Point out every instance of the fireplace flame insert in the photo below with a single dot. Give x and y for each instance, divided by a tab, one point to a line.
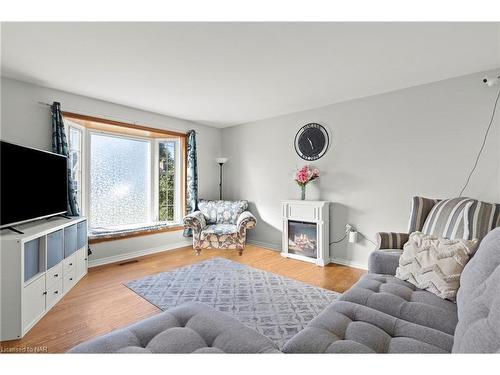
302	238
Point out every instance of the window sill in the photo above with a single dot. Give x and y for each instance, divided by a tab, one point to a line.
136	232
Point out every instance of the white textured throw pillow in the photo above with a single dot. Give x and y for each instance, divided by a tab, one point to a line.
435	264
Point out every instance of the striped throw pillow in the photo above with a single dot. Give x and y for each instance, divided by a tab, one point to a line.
420	208
481	218
391	240
447	219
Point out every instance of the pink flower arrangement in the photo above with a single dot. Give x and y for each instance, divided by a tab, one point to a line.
305	175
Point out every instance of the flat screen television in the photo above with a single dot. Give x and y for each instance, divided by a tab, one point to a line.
33	184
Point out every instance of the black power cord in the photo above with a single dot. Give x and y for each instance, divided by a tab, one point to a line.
482	145
342	239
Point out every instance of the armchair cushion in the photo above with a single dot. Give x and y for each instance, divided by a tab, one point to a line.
219	229
222	212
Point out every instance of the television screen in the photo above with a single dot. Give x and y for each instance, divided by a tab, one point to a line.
33	184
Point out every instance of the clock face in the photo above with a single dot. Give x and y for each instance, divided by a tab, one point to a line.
311	141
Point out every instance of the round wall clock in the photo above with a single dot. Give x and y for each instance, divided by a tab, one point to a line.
311	141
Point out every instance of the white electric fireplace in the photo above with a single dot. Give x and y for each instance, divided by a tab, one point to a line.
306	231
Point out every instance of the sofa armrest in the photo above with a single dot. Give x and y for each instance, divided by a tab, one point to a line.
196	221
391	240
245	221
384	262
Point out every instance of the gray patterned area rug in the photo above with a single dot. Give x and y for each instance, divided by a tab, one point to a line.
275	306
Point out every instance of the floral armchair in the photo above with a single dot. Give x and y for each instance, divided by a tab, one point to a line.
220	225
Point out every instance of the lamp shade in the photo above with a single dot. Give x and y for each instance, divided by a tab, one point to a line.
221	160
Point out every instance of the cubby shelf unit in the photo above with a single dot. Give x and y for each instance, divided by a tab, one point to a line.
38	267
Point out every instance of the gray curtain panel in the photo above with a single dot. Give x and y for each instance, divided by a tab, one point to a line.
60	146
192	177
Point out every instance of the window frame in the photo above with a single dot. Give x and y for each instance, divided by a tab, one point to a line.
179	161
88	124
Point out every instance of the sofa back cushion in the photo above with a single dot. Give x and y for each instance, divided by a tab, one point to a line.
478	300
222	212
420	208
446	218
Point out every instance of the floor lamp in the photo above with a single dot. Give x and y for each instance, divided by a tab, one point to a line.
221	162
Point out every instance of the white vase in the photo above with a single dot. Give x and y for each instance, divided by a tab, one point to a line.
313	191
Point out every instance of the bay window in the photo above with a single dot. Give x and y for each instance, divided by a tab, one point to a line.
134	177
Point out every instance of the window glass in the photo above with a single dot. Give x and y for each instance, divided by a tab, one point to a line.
166	183
120	181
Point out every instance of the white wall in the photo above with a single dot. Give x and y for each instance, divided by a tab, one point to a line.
384	150
26	122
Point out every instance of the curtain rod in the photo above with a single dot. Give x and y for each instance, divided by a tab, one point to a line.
115	118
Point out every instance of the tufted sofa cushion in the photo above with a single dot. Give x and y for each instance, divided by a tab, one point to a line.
403	300
478	330
346	327
478	300
190	328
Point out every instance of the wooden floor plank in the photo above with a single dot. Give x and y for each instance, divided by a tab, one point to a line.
100	302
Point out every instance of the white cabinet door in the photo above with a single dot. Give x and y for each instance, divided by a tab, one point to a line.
69	264
33	302
69	281
54	275
54	293
81	263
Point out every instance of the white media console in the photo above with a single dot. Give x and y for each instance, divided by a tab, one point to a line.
38	267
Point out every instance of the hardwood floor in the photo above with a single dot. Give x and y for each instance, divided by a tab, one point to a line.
100	302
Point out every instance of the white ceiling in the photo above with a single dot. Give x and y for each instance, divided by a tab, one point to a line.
223	74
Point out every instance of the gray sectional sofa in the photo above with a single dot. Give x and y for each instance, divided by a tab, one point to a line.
190	328
379	314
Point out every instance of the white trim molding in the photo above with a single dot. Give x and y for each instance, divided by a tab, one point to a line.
265	245
137	254
349	263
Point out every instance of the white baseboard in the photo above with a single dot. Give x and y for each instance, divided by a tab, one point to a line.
343	262
177	245
265	245
136	254
349	263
